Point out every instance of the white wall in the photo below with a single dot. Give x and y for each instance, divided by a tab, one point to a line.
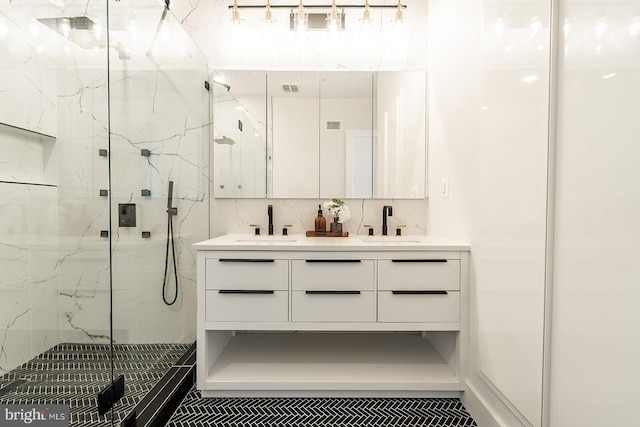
496	164
595	319
295	145
487	133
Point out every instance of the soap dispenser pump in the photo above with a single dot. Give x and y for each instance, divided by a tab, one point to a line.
321	223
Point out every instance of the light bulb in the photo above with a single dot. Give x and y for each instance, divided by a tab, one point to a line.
366	15
301	18
333	17
235	14
268	15
399	14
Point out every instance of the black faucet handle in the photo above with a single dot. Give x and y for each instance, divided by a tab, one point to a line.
257	228
370	227
399	228
285	229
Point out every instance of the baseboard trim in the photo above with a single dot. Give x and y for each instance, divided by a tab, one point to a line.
480	409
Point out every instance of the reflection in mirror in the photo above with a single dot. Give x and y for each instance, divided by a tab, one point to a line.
239	134
401	118
347	138
293	112
328	134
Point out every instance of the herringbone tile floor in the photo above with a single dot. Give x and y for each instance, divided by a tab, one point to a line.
315	412
73	374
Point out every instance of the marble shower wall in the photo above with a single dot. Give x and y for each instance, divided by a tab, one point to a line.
163	112
29	311
28	276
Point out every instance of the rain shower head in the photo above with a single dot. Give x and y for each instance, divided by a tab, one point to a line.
224	140
84	32
81	30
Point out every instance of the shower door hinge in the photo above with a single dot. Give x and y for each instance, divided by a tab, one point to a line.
110	395
206	85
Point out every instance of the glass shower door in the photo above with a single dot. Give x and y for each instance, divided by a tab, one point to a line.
55	286
159	175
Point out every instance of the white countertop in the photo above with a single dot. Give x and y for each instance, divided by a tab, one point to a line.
299	242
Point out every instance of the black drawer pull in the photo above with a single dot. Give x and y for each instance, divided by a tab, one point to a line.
333	260
418	260
332	292
419	292
244	260
243	291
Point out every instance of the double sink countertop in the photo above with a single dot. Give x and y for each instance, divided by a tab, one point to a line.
300	242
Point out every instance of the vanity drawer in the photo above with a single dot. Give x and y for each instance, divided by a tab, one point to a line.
246	273
417	306
419	274
332	274
326	306
246	306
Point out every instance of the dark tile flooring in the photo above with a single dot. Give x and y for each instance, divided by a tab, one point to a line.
306	412
73	374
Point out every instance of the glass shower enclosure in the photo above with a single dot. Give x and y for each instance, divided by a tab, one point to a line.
103	109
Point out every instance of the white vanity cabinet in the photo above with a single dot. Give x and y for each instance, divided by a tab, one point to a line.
331	317
246	289
421	289
332	290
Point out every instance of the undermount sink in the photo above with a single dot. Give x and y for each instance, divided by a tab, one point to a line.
266	239
389	239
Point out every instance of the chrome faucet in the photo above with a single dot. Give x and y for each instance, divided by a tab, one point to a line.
270	213
386	210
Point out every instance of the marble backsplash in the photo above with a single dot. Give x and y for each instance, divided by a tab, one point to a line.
237	215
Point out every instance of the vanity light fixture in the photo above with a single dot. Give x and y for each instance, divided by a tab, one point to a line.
318	16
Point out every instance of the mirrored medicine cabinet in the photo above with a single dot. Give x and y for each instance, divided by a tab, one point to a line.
319	134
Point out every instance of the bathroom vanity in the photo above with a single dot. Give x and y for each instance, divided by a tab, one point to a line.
308	316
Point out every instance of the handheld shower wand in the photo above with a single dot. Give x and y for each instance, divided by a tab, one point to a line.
171	211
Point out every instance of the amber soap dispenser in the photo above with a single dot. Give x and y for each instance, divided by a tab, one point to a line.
321	223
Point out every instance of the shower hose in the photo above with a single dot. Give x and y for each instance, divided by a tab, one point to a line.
170	241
